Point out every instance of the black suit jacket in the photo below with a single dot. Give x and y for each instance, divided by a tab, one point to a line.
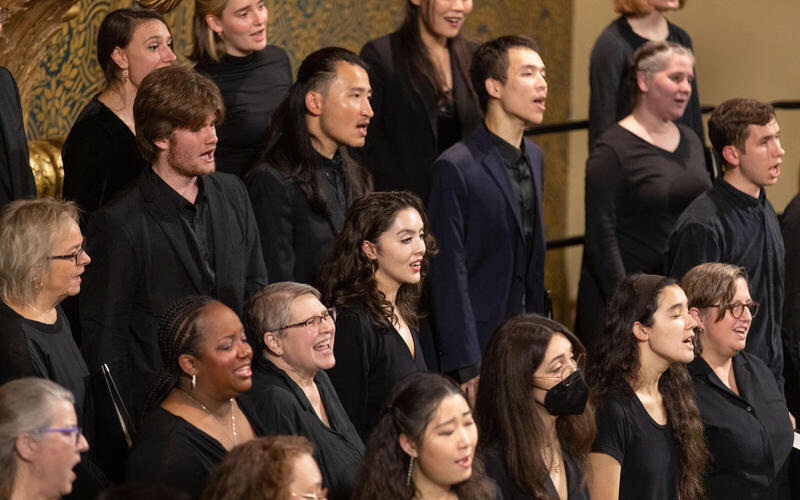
142	261
16	177
401	143
482	274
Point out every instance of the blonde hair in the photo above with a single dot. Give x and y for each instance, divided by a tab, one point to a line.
28	231
637	7
206	45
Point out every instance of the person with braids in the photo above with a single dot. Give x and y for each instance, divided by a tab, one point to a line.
194	417
304	182
423	97
423	446
641	174
272	467
229	44
747	423
374	279
535	425
650	441
292	394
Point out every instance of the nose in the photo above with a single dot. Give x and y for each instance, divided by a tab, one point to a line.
465	437
460	5
85	259
779	151
168	56
211	138
262	16
366	109
690	323
83	444
245	351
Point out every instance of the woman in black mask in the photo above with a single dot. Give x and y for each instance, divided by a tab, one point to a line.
535	424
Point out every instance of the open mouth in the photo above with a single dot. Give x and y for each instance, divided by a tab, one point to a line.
416	265
259	35
244	371
208	156
540	102
454	21
465	462
362	128
689	341
323	347
775	170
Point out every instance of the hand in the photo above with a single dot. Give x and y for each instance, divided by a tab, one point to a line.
470	388
791	417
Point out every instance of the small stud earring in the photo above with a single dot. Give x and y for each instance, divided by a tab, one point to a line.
194	380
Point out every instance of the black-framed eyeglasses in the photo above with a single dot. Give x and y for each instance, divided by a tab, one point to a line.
74	432
571	366
737	308
313	323
76	256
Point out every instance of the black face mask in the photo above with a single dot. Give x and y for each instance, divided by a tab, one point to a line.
568	397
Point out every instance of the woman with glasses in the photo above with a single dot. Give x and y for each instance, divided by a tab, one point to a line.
649	440
747	423
40	440
41	262
194	411
535	425
294	334
272	467
374	278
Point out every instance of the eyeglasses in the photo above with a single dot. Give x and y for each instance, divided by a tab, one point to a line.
72	256
737	309
313	323
72	431
574	364
321	495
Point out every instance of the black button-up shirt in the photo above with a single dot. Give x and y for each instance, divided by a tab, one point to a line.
726	225
333	171
749	435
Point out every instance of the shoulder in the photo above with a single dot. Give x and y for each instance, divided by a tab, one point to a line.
264	173
611	40
533	149
702	211
378	51
679	35
469	150
275	53
228	185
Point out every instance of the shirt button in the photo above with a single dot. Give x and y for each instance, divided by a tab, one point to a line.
750	408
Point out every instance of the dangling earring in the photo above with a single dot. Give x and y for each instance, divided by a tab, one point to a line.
125	75
220	34
194	380
410	468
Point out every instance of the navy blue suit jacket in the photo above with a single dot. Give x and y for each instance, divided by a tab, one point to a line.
482	275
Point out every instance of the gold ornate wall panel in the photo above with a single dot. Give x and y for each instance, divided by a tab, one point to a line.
67	76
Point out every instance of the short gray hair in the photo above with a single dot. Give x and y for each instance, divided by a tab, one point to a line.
271	309
653	57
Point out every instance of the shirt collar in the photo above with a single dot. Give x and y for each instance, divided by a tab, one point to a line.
508	152
740	196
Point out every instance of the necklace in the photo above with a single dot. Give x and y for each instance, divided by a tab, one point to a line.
205	409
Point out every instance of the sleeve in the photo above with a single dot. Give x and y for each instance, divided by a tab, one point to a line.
691	243
256	277
350	374
107	298
603	179
272	208
15	356
86	165
612	430
453	317
606	67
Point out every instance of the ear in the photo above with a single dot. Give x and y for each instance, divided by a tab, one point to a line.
162	143
640	332
731	155
642	81
188	364
120	57
272	343
494	88
407	445
369	249
213	22
26	446
314	102
694	312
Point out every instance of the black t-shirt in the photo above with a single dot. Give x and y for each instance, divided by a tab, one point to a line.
647	451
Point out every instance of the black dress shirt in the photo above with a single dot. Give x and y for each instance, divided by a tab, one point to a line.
333	172
283	408
726	225
749	435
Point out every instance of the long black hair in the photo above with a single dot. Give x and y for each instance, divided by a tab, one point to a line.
289	148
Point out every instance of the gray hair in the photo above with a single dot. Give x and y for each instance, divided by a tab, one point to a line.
653	57
271	308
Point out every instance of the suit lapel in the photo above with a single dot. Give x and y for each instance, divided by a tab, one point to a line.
493	162
218	209
536	174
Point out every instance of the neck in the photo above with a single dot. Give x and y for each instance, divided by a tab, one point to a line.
653	124
427	489
183	185
651	367
389	288
26	485
732	176
549	424
721	365
648	25
503	126
42	309
433	43
303	379
213	405
319	142
119	98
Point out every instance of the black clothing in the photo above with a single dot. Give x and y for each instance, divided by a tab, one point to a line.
294	237
519	173
370	359
495	462
282	407
100	158
647	451
143	259
611	98
790	324
635	192
749	436
402	139
727	225
252	87
171	452
16	176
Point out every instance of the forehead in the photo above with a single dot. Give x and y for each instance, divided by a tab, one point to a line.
558	345
63	413
523	56
234	5
669	296
678	62
350	76
218	320
742	290
304	306
755	133
452	406
406	218
149	28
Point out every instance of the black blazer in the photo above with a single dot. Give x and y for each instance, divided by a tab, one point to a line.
16	177
401	141
142	261
482	275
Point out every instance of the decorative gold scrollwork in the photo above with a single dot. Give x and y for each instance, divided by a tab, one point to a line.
162	6
48	169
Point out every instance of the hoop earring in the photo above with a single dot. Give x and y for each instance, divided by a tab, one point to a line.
410	469
194	380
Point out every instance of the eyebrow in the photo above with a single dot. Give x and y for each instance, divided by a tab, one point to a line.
532	66
677	306
361	89
448	422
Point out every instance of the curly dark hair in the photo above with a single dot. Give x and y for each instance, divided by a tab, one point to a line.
348	277
258	469
614	365
506	410
409	410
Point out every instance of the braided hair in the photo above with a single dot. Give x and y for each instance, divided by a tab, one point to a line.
177	334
